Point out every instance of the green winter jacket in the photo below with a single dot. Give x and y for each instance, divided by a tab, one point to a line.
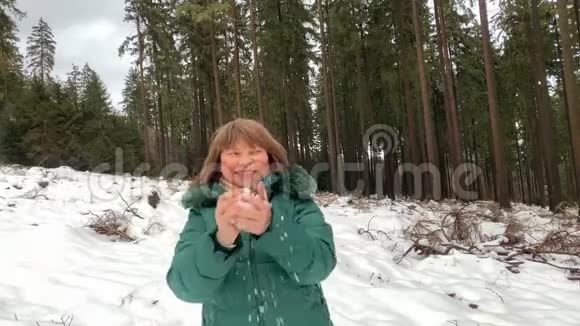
270	280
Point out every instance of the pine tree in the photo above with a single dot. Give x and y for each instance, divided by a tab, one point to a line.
328	109
256	61
40	51
430	140
496	129
130	95
95	98
10	58
73	86
571	84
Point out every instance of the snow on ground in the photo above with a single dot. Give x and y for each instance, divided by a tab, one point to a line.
55	270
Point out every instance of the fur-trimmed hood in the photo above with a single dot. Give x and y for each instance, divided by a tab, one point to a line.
294	182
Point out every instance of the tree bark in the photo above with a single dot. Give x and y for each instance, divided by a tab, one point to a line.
364	107
330	118
430	138
195	117
253	28
496	128
453	123
570	181
142	97
162	142
216	77
571	92
577	15
546	119
237	60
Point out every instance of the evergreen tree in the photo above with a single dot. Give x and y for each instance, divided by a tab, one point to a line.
10	58
130	95
40	51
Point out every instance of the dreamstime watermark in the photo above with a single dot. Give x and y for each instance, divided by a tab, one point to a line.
424	180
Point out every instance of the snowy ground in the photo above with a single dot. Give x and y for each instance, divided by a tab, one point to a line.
55	270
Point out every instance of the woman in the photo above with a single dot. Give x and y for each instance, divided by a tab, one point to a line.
255	247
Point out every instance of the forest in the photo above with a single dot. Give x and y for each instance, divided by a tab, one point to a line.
486	87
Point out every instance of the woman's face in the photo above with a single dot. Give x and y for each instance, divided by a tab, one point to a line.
244	164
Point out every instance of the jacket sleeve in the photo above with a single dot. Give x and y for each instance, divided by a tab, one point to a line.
302	244
199	264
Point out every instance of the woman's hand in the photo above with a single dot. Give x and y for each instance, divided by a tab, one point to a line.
253	212
225	218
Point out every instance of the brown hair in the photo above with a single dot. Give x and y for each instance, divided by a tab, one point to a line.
248	130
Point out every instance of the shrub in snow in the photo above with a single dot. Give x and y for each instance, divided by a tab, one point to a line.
462	227
459	227
154	227
111	224
514	233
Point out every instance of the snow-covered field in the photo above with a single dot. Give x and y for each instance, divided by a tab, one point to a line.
55	270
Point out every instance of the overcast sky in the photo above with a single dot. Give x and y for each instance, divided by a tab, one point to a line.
86	31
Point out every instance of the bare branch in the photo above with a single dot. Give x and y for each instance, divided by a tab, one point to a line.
129	208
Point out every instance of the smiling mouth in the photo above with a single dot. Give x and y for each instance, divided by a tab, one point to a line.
245	173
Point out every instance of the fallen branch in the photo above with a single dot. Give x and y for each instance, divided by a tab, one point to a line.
362	231
369	231
6	172
406	253
407	206
494	292
129	208
154	226
544	261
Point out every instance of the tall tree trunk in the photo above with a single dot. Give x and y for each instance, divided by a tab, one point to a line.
253	28
411	117
210	109
494	119
237	59
546	119
403	31
577	15
430	138
216	76
162	141
171	134
536	147
288	110
335	114
571	188
142	97
364	107
519	164
289	119
571	95
481	191
528	172
536	153
300	139
203	108
195	117
158	74
330	117
453	122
